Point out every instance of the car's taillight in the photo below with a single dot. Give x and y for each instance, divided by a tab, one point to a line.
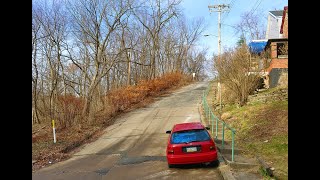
212	148
170	151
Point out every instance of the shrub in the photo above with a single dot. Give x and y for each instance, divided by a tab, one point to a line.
124	98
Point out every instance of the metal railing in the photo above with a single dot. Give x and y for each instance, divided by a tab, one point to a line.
215	121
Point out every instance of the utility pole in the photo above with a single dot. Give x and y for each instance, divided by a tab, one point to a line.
220	8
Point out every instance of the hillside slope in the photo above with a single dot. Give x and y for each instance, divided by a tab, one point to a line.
262	128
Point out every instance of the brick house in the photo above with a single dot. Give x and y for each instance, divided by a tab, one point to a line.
278	68
277	63
273	68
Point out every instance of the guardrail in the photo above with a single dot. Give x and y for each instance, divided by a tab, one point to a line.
214	120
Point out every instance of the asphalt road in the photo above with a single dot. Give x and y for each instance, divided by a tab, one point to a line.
134	146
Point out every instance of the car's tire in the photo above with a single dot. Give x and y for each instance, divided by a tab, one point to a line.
170	166
215	163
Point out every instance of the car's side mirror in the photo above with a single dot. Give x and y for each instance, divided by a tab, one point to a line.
168	132
208	128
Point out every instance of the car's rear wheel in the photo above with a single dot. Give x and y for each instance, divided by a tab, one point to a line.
215	163
170	165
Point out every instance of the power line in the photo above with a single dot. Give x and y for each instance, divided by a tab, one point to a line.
220	8
235	27
252	10
226	15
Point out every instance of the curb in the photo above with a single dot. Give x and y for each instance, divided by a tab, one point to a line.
223	167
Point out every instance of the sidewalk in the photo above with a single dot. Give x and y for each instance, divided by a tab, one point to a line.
242	168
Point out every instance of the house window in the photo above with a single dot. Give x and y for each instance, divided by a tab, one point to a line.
282	50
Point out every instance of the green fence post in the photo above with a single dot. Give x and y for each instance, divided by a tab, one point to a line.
217	128
202	99
207	109
223	135
212	123
232	155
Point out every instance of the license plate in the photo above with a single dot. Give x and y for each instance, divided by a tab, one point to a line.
191	149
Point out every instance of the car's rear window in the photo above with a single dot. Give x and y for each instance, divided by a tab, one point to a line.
189	136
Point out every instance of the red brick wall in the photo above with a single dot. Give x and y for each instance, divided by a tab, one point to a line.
273	50
285	27
278	63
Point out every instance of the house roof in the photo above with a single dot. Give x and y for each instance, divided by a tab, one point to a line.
277	13
257	46
275	40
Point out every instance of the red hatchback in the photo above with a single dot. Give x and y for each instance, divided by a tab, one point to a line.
190	143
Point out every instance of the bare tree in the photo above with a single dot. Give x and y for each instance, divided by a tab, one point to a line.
197	63
95	23
154	15
250	27
234	71
179	41
192	33
49	32
35	74
82	49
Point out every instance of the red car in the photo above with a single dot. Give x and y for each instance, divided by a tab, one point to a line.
190	143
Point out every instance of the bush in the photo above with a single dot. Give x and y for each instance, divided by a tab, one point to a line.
69	110
124	98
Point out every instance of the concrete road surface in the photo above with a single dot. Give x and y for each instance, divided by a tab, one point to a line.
134	147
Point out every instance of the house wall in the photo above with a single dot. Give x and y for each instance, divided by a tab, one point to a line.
278	77
285	26
278	63
275	61
277	70
274	53
273	27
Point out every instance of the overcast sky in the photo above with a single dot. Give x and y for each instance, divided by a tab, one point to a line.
199	8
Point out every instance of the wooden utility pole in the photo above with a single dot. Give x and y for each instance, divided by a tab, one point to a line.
220	8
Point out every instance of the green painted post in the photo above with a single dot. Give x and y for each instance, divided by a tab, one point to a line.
232	155
223	135
203	99
208	110
205	107
217	128
212	123
205	102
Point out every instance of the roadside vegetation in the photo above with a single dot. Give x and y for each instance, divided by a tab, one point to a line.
261	129
94	59
79	131
259	118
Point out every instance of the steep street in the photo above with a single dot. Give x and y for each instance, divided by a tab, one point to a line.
134	146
